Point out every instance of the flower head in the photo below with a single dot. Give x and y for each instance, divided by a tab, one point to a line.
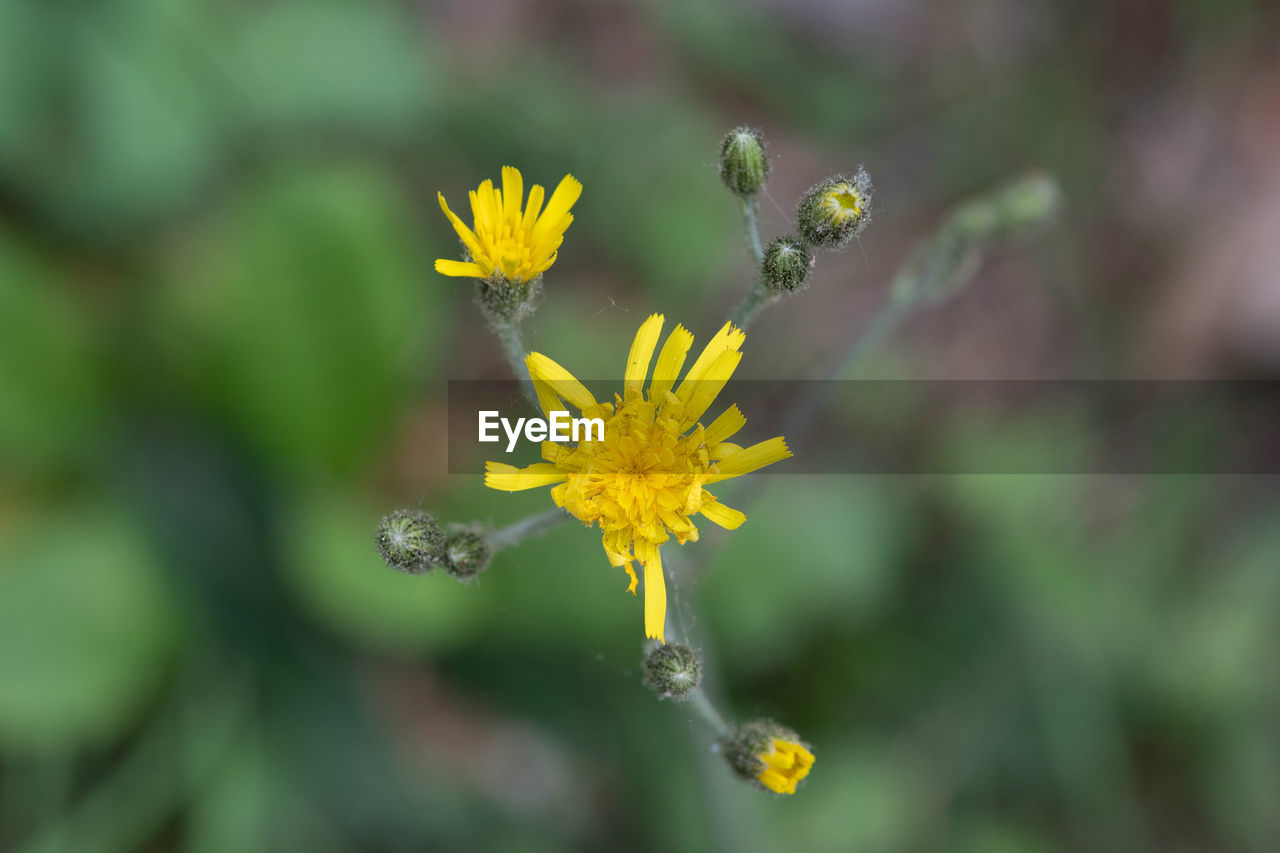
744	165
769	754
410	541
645	480
519	244
834	211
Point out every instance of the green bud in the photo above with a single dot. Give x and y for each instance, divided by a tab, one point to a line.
769	755
410	541
504	302
835	211
744	165
467	552
672	670
786	265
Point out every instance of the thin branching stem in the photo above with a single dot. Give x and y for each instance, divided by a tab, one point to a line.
696	700
527	528
750	228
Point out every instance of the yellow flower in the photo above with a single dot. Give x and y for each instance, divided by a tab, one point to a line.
517	243
645	479
785	764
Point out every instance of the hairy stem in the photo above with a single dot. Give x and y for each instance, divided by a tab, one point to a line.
759	296
697	701
508	332
526	528
749	227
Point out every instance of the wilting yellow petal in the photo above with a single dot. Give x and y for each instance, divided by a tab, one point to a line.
655	590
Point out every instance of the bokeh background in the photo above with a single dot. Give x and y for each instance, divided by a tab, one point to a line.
223	356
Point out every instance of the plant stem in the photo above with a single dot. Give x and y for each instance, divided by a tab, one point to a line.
508	332
749	227
698	702
526	528
759	296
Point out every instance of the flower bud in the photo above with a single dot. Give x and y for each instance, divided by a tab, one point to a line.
768	755
672	670
786	265
410	541
744	166
834	211
467	552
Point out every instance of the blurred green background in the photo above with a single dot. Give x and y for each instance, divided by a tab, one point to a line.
223	356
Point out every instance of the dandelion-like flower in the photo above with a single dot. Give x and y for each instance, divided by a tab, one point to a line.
516	242
646	478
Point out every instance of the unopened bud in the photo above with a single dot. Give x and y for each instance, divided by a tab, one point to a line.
744	165
672	670
836	210
467	552
786	265
410	541
768	755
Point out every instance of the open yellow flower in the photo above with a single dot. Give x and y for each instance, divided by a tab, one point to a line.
518	243
644	480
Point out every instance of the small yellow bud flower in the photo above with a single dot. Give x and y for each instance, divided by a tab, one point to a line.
518	244
769	755
836	210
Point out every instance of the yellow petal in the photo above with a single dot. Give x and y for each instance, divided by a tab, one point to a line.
725	516
641	354
728	339
730	421
531	209
561	200
468	238
670	360
655	590
751	459
458	268
486	216
701	393
561	381
512	194
509	478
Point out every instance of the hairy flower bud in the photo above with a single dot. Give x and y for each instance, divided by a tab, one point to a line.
467	552
769	755
786	265
836	210
744	165
410	541
672	670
